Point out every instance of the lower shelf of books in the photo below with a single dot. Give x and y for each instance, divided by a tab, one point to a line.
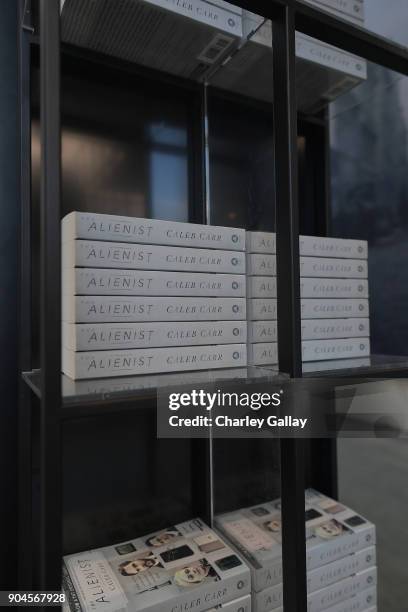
235	566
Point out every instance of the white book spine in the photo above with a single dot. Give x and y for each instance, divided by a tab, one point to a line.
317	246
259	264
365	601
212	14
261	286
326	575
108	336
262	310
243	604
94	226
330	267
318	350
320	600
333	288
264	353
98	254
323	329
315	51
334	309
261	242
310	246
100	364
262	331
107	309
98	281
353	9
332	550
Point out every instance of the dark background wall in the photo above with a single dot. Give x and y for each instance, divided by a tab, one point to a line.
9	222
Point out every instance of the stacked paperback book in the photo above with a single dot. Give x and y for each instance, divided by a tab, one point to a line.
147	296
340	553
185	567
334	298
334	293
237	568
261	302
144	296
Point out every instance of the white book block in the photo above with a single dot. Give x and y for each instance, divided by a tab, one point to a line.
310	246
259	264
333	288
360	602
344	348
261	286
324	329
98	281
101	364
115	228
112	309
262	331
108	336
98	254
334	309
322	600
331	267
262	310
264	353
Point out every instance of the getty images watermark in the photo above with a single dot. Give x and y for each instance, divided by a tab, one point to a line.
220	400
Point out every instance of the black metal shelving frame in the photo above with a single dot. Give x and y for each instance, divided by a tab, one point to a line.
287	16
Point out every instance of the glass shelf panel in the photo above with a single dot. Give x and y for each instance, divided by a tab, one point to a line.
362	366
76	392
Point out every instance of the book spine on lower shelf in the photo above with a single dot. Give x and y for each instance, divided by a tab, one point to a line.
107	336
262	331
331	573
322	329
365	601
261	287
329	551
94	226
264	353
259	264
98	281
319	350
310	246
107	309
333	309
331	267
98	364
323	599
262	310
333	288
243	604
98	254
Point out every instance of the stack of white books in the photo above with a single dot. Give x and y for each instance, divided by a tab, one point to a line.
334	292
334	298
340	551
184	567
261	298
144	296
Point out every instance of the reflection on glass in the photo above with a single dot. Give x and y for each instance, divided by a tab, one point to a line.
369	158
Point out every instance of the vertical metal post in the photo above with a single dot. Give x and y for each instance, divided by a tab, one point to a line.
289	312
50	323
25	394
